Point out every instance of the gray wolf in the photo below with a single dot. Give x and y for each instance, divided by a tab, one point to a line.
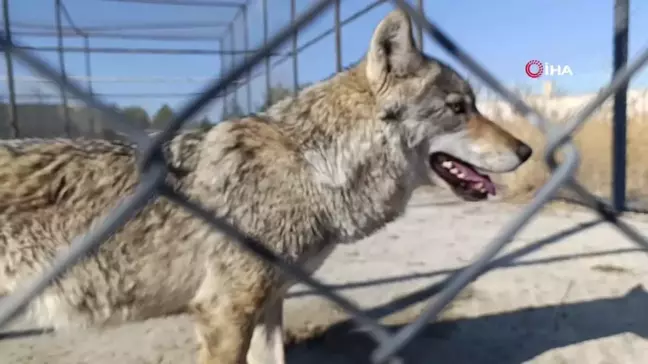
332	165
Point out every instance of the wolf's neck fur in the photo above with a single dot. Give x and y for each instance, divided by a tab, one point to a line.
358	163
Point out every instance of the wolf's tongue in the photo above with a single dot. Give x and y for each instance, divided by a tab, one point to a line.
473	176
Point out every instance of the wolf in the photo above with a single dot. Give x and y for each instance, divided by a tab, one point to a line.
330	165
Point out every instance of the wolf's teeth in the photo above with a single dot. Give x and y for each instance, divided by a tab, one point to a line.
447	164
454	171
479	186
461	175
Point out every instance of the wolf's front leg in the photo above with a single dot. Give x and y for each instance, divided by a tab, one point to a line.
267	345
226	309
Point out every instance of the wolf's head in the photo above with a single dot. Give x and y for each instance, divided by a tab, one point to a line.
436	108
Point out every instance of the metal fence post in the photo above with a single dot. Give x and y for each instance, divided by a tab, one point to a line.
338	38
11	85
268	68
88	69
620	107
61	57
223	70
246	44
234	87
419	29
295	56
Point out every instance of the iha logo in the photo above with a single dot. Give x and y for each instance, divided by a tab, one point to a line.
535	69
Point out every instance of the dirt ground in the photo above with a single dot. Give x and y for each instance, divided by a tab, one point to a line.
556	295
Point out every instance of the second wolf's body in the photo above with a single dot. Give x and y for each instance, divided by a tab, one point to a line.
331	166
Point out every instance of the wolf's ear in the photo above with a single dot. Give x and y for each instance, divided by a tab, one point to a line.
392	48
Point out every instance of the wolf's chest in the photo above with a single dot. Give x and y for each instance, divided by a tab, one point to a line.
310	262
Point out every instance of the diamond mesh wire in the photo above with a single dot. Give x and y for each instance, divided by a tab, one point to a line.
153	173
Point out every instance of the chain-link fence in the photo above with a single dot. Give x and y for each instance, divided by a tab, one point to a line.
235	86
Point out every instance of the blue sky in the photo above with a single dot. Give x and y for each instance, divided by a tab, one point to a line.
502	35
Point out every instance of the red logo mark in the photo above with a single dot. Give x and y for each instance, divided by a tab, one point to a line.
530	66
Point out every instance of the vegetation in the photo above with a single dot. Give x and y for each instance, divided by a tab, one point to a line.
233	110
45	107
594	143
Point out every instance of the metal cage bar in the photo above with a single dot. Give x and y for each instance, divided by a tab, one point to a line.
11	84
621	25
60	49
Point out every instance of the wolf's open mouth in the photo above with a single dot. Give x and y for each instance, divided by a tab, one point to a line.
462	177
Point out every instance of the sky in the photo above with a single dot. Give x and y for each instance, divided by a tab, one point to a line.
502	35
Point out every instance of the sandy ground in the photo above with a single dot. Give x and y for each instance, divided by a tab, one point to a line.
579	299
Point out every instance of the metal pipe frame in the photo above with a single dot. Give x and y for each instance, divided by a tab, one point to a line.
14	130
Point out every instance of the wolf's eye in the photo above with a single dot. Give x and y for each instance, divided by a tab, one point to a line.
457	107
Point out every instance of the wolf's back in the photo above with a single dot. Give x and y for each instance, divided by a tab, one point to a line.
38	173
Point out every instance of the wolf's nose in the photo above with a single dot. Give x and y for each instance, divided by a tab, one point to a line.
523	151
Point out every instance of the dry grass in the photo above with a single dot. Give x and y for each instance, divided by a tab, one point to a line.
594	141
